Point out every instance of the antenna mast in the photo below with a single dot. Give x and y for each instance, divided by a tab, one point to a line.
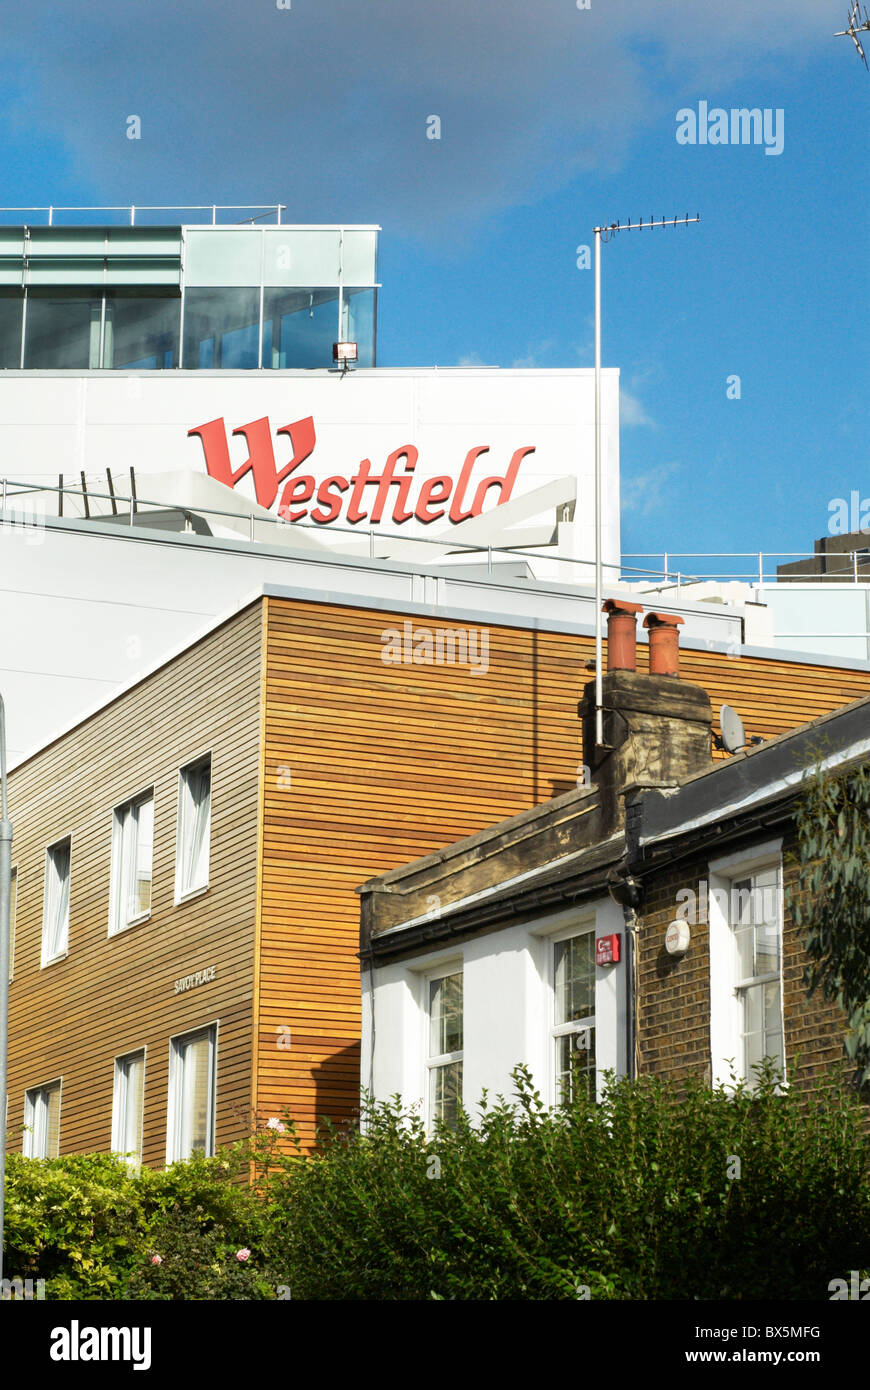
608	233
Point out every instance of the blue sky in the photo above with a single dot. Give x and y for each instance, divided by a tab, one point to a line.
553	118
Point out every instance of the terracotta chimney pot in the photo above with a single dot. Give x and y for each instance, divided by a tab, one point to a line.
664	643
621	633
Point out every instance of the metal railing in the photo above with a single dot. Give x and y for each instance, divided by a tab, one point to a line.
262	210
854	569
124	507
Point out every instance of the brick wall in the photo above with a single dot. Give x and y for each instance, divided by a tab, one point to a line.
673	1021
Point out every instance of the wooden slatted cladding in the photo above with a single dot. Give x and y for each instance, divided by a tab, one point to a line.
369	765
112	995
329	765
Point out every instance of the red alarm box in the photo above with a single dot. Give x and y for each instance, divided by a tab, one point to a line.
607	949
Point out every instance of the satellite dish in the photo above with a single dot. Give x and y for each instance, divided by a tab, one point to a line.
733	734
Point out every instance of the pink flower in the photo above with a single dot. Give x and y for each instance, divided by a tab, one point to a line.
243	1254
276	1125
157	1259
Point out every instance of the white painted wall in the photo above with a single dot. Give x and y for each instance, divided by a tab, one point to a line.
72	422
508	1010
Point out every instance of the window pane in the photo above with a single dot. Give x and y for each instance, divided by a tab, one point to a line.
223	257
221	328
10	330
141	332
144	849
62	332
446	1082
195	826
299	327
575	978
359	325
446	1015
131	867
196	1095
56	924
43	1118
132	1090
575	1064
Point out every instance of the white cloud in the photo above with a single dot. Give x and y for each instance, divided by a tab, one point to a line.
325	105
646	493
631	411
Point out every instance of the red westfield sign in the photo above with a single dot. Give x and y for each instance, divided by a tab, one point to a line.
398	473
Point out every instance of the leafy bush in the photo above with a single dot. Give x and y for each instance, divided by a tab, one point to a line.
655	1193
631	1198
74	1222
89	1227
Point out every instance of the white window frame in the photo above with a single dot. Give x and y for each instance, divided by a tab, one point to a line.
119	1105
34	1117
174	1117
560	1030
193	890
727	1048
48	900
433	1062
118	921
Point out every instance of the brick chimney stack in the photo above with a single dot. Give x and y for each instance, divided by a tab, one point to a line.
657	728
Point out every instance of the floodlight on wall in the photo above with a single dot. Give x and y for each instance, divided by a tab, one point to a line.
343	354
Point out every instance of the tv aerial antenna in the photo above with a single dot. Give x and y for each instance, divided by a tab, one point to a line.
606	234
856	25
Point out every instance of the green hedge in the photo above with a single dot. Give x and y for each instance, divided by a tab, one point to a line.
636	1198
653	1194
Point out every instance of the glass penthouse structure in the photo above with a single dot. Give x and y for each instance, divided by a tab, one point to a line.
143	298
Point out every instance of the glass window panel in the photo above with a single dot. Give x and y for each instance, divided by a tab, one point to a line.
196	1090
446	1015
302	257
141	332
195	828
129	1094
575	1063
62	331
141	893
132	862
10	330
223	257
446	1084
359	253
221	328
359	325
42	1116
299	327
55	928
575	978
